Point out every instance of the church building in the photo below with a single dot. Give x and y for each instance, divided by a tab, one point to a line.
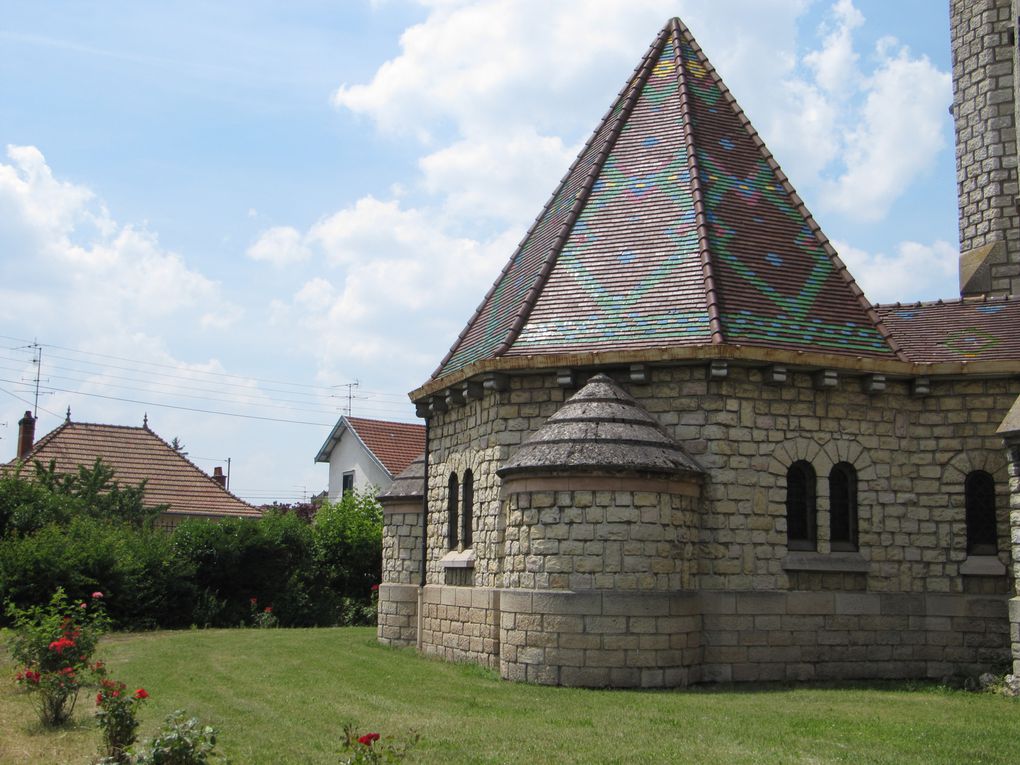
676	444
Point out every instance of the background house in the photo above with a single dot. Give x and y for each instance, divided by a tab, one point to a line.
363	453
136	455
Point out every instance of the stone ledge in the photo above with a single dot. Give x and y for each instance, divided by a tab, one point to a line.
459	559
836	561
982	565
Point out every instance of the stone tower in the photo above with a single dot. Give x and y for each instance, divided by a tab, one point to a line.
984	44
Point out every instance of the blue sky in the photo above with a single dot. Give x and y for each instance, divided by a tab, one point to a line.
219	212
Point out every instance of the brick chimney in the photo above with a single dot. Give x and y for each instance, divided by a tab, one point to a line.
219	477
26	435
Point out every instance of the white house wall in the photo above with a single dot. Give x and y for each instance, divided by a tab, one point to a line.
350	454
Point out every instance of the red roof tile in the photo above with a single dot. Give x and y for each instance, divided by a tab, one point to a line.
395	444
674	226
971	329
138	454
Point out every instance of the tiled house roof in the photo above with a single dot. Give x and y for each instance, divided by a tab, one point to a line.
972	329
675	226
138	454
394	444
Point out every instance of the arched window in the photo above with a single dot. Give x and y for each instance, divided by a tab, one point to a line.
451	510
979	498
801	528
468	508
843	506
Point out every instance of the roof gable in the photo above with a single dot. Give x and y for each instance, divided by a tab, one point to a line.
394	445
675	226
136	455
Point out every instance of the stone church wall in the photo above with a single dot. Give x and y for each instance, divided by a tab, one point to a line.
906	604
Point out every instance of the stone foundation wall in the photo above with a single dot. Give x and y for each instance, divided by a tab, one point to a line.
461	624
596	639
398	615
642	639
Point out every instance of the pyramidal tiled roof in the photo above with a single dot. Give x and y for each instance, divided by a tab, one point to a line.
136	455
674	226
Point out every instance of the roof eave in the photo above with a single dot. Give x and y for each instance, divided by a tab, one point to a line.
750	354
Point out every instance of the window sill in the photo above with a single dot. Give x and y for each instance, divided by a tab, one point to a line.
982	565
834	561
459	559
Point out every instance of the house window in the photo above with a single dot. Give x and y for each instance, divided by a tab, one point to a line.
801	528
347	482
843	506
468	508
979	499
451	510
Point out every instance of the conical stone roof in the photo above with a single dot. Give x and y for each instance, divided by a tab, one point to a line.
675	226
600	429
409	484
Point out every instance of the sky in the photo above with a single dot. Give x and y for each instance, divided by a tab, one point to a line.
245	218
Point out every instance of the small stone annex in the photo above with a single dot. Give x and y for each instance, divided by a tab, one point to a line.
676	444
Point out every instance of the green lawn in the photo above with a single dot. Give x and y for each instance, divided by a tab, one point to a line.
281	696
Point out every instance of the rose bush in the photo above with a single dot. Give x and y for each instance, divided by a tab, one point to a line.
55	644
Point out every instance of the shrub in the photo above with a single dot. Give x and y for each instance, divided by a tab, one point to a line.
116	713
181	741
348	554
55	644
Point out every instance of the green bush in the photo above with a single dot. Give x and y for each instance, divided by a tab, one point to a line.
72	532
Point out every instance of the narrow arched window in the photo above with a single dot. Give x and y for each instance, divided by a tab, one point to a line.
468	508
843	506
801	528
979	499
451	509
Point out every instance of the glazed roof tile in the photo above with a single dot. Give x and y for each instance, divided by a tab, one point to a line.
674	226
136	455
970	329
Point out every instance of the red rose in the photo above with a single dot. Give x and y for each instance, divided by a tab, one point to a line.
141	693
97	595
375	588
269	609
99	699
368	738
254	601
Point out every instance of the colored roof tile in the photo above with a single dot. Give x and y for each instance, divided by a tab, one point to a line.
673	227
136	455
971	329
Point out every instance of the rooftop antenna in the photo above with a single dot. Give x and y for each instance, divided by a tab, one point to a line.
350	395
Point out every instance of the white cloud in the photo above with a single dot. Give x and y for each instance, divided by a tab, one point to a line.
68	257
391	268
901	130
503	176
916	272
281	246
